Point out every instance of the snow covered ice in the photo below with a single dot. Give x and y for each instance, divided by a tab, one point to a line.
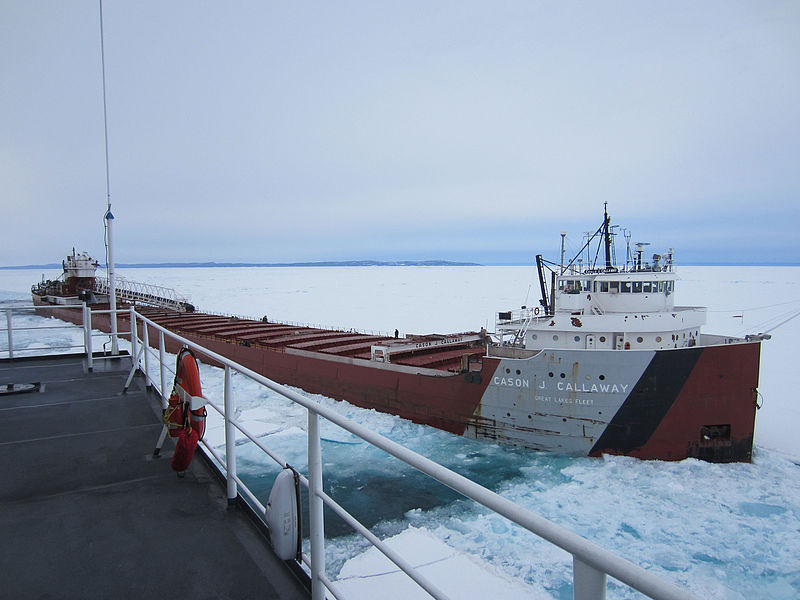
722	531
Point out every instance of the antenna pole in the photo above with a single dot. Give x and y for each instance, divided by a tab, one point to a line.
109	217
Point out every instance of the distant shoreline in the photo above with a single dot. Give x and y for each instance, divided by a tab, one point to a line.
364	263
348	263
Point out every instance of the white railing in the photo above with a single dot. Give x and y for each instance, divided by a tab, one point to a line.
135	291
591	563
14	350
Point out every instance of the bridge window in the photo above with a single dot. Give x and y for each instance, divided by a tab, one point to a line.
570	286
637	287
647	287
614	287
626	287
603	286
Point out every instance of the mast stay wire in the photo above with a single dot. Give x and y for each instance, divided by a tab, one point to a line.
775	322
723	310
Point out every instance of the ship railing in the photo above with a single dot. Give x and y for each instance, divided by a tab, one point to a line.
127	289
519	316
513	325
15	349
592	564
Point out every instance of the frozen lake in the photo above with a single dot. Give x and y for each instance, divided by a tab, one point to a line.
723	531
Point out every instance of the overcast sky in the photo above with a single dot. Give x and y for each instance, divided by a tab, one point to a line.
270	131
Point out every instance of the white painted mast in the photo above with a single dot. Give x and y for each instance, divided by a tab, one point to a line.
109	217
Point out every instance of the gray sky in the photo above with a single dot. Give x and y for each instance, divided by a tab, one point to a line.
272	131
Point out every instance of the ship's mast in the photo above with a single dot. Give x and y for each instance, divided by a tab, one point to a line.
607	235
109	217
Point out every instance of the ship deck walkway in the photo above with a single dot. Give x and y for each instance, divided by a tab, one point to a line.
85	509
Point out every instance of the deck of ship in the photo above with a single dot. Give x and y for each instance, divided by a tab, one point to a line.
448	356
86	511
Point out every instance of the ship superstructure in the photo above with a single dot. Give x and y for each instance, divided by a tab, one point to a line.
605	307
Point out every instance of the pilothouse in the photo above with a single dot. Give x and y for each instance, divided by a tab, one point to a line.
606	306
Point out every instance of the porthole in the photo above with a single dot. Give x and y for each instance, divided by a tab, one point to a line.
508	371
555	338
577	338
563	375
550	374
658	339
534	337
602	378
603	339
639	340
518	371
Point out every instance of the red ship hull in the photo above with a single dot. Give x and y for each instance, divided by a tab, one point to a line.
670	404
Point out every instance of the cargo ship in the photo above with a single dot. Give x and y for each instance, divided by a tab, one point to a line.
606	363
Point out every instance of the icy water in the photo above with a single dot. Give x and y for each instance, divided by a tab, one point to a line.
722	531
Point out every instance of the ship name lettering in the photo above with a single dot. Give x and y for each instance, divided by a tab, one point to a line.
439	342
512	382
613	388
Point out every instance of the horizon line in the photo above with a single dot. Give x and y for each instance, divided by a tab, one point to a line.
372	263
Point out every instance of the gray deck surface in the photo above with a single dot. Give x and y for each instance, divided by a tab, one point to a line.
86	512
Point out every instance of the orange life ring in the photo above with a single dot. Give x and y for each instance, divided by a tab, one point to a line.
179	415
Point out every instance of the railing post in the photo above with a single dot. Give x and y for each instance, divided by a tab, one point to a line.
587	582
134	340
83	325
145	347
315	505
87	328
230	438
161	356
10	335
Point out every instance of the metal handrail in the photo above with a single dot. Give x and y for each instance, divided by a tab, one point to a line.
591	562
88	336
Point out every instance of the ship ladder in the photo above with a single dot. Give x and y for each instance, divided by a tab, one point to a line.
519	335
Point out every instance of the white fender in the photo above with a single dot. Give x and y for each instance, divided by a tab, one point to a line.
281	516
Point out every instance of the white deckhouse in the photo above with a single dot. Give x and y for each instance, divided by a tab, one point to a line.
630	307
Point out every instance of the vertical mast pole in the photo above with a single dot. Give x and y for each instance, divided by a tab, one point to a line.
607	236
109	217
